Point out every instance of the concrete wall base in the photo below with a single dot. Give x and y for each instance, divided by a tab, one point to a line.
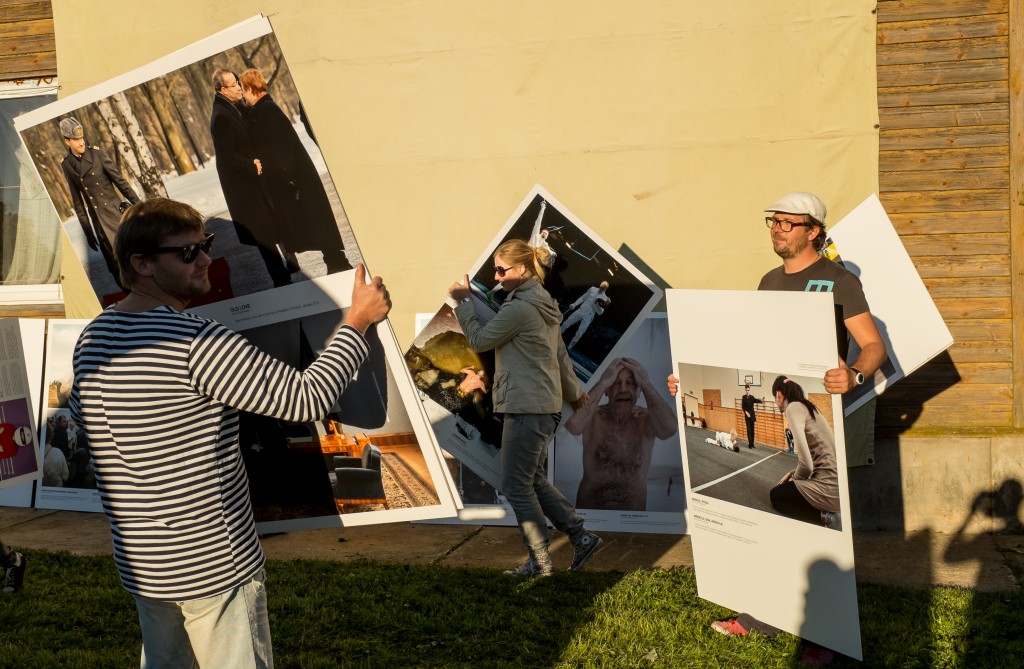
965	484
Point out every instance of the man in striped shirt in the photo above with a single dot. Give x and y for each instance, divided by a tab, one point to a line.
158	392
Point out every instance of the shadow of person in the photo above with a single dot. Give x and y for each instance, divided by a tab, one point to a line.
831	624
1002	505
974	541
876	492
900	407
894	559
1006	506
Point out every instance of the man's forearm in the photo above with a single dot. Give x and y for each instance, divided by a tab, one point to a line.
871	358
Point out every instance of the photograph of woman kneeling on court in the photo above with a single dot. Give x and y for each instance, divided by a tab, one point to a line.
810	492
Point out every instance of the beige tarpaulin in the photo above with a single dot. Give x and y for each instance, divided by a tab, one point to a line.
665	126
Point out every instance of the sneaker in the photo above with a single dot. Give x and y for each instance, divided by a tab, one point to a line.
816	656
729	627
531	569
15	574
832	520
584	549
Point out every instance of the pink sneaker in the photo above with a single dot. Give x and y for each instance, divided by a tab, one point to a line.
729	627
816	656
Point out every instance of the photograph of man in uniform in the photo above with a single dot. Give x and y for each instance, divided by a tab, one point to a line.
98	192
240	174
618	437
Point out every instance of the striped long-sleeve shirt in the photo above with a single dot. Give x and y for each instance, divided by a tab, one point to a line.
158	393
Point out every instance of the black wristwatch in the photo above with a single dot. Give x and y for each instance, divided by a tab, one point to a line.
858	376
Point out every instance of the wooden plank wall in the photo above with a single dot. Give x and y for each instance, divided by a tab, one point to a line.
944	177
27	46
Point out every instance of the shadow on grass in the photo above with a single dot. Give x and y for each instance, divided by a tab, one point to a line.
373	614
1003	505
74	613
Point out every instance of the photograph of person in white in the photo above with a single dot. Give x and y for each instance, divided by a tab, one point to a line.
726	440
810	492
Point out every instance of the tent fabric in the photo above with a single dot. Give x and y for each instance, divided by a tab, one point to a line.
665	126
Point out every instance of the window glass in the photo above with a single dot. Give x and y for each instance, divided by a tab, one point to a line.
29	226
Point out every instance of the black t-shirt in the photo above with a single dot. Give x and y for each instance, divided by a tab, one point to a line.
825	276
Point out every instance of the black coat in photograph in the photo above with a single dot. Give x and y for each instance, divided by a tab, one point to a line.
97	190
293	183
243	187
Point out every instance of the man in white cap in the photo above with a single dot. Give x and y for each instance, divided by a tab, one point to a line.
797	225
95	183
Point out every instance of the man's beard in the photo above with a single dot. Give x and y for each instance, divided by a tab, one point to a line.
788	252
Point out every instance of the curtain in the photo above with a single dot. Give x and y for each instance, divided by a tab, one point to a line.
29	225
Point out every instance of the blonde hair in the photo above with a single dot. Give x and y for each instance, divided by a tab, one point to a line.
518	252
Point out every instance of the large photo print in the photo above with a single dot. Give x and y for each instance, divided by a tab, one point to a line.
866	243
750	501
69	480
603	299
220	126
770	454
618	459
19	460
17	486
247	161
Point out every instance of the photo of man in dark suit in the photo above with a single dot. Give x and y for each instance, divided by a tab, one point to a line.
241	176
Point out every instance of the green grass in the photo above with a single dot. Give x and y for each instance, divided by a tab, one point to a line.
74	613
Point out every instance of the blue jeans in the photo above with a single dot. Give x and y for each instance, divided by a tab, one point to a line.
524	449
230	630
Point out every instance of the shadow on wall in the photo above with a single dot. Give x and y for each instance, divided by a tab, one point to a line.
876	492
900	407
1002	505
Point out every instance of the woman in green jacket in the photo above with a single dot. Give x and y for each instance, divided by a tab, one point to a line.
533	376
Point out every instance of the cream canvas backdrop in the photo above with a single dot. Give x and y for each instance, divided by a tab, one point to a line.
666	126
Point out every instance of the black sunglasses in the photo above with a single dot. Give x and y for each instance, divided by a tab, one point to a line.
501	270
188	253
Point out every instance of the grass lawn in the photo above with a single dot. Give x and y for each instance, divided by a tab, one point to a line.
74	613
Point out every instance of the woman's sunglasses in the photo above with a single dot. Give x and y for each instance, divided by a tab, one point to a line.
501	270
188	253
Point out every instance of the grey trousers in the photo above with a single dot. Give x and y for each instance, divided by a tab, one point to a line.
524	450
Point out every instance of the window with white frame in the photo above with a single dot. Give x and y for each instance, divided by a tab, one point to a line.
29	225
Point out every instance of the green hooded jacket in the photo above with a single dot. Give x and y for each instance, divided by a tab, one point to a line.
533	374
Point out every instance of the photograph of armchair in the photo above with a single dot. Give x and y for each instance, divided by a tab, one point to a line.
359	480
